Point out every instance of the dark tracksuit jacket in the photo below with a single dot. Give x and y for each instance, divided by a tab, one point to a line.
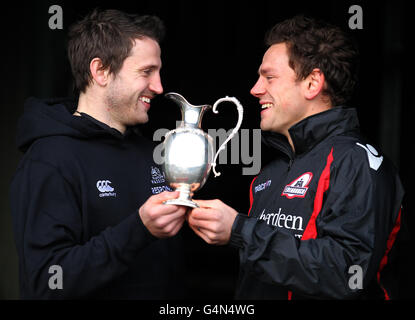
323	220
74	202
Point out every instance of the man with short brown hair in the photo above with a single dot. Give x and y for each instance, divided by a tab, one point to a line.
325	212
87	198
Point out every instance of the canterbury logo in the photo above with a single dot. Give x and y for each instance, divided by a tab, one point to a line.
104	186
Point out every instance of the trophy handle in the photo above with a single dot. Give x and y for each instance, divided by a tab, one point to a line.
234	131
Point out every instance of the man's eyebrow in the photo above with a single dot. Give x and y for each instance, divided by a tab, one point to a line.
262	71
150	67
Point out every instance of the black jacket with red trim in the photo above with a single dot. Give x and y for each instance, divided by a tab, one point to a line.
324	219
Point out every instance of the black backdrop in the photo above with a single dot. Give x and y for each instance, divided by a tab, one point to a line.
212	49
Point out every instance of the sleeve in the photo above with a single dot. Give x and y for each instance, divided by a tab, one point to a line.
358	212
49	228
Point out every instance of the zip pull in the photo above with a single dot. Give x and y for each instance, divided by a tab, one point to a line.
290	164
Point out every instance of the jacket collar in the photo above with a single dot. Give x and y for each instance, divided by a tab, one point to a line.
310	131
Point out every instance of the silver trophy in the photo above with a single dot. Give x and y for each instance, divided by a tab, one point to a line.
188	150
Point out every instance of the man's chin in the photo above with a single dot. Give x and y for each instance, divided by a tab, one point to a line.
264	126
138	120
142	121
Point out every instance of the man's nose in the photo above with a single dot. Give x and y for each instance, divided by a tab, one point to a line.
258	89
155	85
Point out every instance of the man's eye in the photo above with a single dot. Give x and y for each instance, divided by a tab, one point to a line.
147	72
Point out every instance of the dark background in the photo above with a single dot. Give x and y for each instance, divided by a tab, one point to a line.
212	49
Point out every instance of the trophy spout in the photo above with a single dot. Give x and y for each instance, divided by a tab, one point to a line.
191	114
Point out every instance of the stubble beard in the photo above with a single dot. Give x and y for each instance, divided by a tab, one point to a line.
122	106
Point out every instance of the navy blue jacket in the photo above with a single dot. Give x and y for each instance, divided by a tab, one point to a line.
74	201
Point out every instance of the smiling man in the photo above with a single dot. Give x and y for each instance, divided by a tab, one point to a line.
285	99
122	99
325	213
88	221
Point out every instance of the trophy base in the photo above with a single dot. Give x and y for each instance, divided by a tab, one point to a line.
182	202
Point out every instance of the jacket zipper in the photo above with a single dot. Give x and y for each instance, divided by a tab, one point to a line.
290	155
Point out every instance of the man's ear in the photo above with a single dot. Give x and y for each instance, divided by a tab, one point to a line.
99	74
314	84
